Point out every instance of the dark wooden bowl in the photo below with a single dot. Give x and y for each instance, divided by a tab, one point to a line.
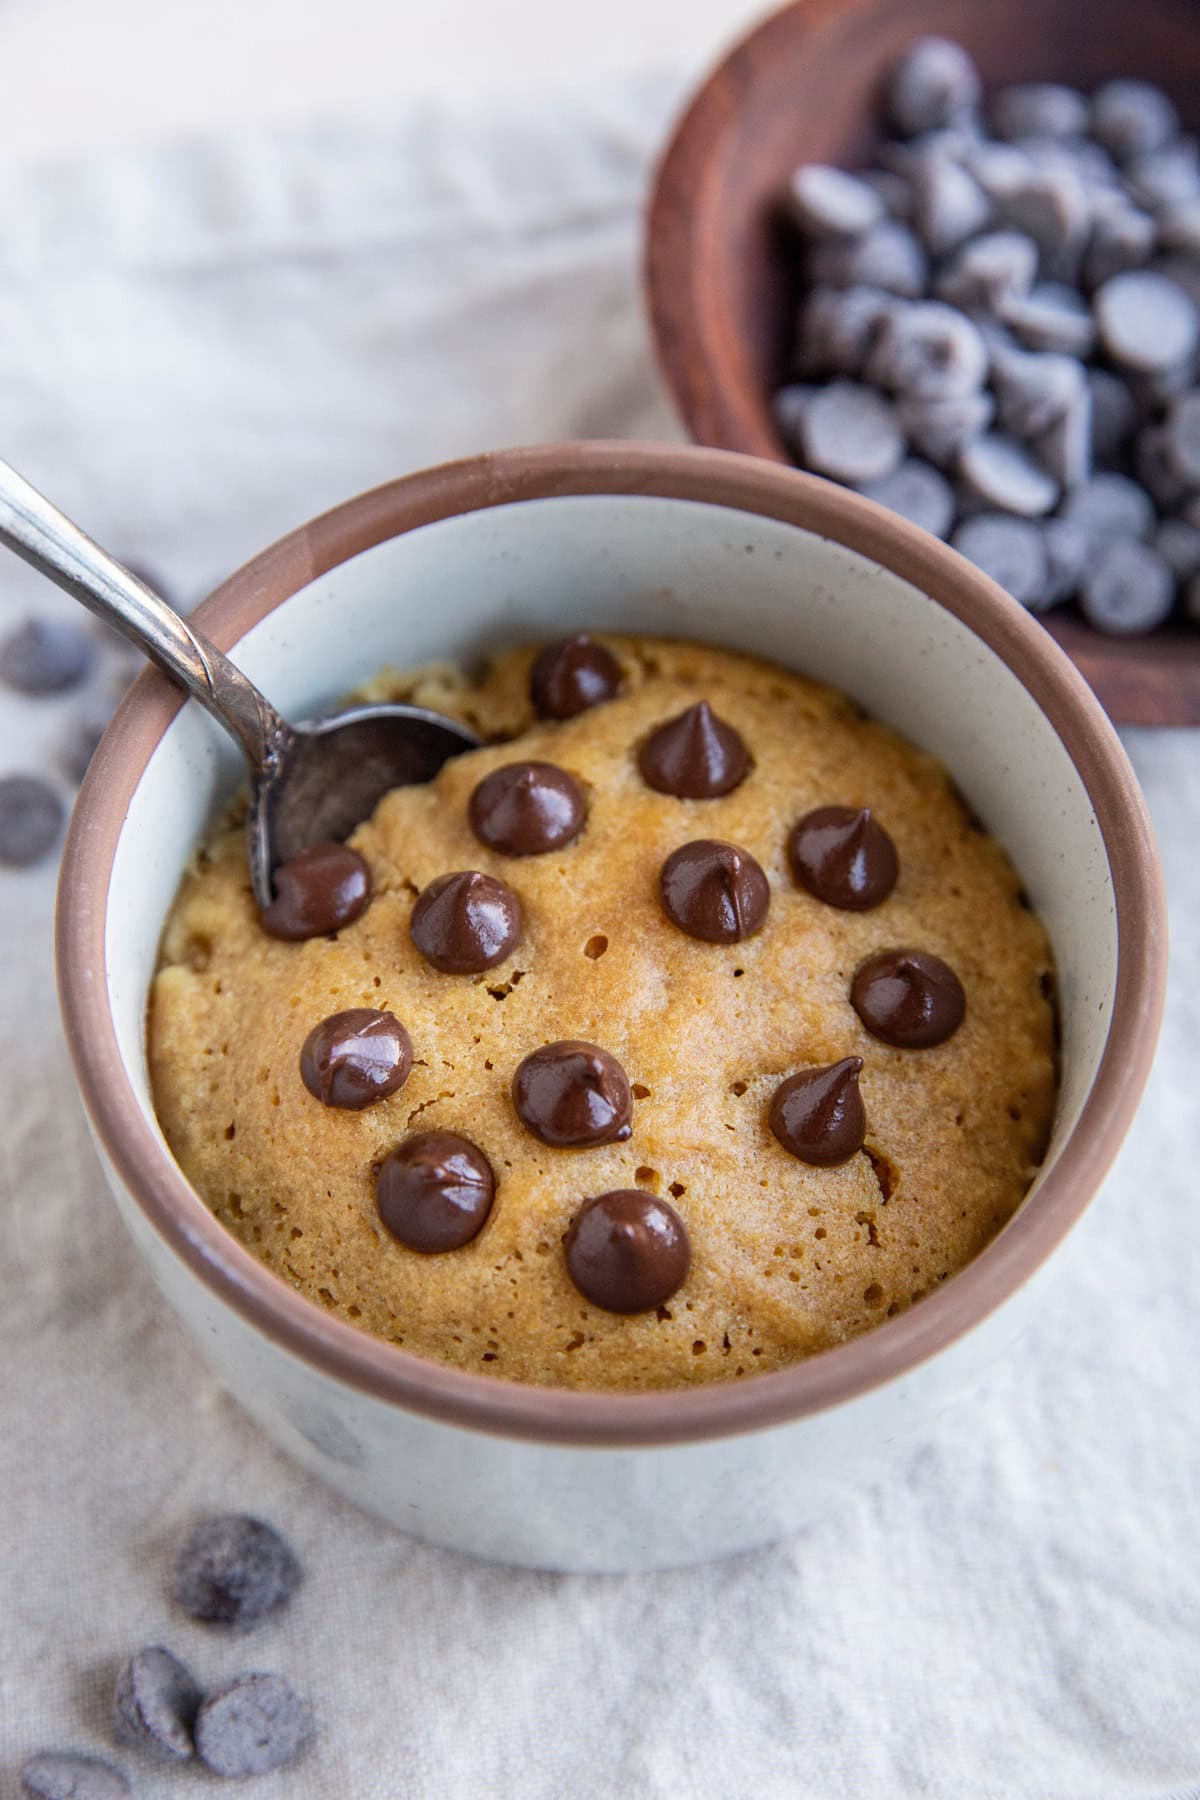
805	86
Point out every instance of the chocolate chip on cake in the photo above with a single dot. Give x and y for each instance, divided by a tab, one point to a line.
843	856
356	1057
818	1115
46	656
572	674
252	1725
155	1705
627	1251
695	756
66	1775
434	1191
466	922
715	892
526	809
573	1095
908	998
320	890
235	1570
31	818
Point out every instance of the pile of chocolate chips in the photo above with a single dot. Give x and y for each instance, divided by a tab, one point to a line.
233	1572
626	1250
1000	331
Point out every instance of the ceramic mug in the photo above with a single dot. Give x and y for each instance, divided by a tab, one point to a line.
619	537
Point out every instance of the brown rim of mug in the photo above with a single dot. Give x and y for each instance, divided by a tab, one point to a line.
566	1416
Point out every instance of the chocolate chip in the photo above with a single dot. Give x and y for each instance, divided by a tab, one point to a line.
1167	178
1155	468
1146	320
918	493
320	890
466	922
1053	319
527	808
715	892
948	206
828	202
1128	589
1109	506
834	332
843	855
1001	472
65	1775
234	1570
818	1115
572	1095
939	428
571	675
156	1703
1034	389
1066	549
1064	449
253	1725
1123	237
990	271
930	350
851	433
888	258
789	405
434	1191
934	84
1011	551
695	756
31	818
908	998
1131	118
356	1057
627	1251
46	656
1039	109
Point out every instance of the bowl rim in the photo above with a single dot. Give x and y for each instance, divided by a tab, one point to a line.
564	1416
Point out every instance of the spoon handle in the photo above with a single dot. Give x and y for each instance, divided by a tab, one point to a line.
45	537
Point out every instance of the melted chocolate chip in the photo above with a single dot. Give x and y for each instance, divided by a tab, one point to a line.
569	676
908	998
434	1191
526	808
695	756
466	922
322	889
627	1251
356	1057
844	857
573	1094
818	1115
714	891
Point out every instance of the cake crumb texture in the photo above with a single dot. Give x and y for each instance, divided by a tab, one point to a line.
786	1259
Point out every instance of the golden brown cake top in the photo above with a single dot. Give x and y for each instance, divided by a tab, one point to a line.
727	900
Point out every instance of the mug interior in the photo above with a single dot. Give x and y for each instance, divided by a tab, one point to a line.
465	585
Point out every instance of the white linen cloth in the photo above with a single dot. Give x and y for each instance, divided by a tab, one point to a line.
198	349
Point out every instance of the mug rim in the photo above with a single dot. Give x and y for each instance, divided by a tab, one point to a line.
566	1416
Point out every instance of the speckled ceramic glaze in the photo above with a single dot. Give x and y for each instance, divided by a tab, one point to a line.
619	537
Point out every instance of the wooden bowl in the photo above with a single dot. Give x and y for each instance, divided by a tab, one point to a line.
805	86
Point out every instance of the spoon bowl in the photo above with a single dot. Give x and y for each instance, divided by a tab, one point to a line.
308	783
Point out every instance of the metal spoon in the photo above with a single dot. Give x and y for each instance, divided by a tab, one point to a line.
308	782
